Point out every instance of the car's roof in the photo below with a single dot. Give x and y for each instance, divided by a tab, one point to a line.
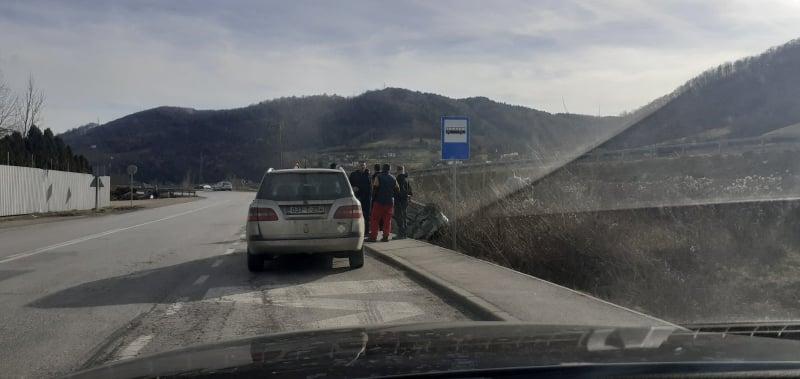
305	171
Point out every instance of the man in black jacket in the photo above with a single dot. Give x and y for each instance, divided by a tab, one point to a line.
361	181
401	202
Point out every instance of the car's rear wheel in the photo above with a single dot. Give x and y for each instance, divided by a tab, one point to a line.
255	263
356	259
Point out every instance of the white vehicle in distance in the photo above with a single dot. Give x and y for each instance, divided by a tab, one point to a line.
222	186
304	211
207	187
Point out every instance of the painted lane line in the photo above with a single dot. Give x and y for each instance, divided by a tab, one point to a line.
133	349
216	263
98	235
202	279
176	307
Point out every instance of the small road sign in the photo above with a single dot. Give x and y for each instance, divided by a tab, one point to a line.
132	169
96	182
455	138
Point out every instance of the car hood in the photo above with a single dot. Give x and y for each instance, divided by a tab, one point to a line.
441	347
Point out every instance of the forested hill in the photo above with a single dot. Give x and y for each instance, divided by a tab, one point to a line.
171	144
41	150
746	98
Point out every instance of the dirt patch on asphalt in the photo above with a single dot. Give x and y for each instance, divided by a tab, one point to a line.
116	207
154	203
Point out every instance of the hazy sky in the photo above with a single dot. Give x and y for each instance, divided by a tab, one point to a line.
105	59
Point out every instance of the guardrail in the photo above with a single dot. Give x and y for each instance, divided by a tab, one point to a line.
145	191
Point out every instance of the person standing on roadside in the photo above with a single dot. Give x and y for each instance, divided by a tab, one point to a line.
401	202
375	172
362	185
384	188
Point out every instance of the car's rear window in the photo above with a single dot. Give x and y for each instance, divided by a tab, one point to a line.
304	186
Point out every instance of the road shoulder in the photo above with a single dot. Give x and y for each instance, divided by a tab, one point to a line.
494	292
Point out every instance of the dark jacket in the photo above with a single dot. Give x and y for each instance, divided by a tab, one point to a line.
361	180
385	187
404	186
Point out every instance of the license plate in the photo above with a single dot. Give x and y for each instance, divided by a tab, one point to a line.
306	210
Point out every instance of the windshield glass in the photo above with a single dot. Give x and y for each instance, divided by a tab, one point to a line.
177	174
311	186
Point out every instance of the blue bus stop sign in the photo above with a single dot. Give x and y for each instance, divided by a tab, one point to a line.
455	138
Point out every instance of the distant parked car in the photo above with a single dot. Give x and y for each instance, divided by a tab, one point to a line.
304	211
223	186
207	187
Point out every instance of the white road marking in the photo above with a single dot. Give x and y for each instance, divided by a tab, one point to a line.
133	349
229	251
202	279
310	295
98	235
366	312
322	303
217	263
342	287
176	307
233	295
371	312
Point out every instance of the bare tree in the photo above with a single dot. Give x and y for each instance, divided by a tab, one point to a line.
8	108
29	108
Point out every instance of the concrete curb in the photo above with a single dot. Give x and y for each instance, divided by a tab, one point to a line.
480	308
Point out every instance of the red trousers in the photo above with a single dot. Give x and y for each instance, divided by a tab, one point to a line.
380	214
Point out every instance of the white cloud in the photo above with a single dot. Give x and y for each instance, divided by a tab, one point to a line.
109	59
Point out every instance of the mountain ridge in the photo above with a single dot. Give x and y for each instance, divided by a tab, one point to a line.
250	135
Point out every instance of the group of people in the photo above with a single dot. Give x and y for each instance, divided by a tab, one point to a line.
383	196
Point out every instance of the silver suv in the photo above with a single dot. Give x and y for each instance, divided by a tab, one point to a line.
304	211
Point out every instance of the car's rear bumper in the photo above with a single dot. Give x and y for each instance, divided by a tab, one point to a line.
300	246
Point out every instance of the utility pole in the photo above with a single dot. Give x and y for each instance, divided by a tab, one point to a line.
201	168
280	141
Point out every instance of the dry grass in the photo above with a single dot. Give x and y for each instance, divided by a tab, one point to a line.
711	263
685	263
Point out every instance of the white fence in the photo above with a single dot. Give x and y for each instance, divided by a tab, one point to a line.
26	190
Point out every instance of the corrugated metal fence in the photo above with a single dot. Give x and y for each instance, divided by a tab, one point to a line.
26	190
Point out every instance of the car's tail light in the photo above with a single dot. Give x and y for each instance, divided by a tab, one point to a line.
262	214
348	211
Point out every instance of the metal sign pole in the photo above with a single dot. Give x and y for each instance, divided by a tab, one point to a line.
131	188
455	148
131	171
454	202
96	193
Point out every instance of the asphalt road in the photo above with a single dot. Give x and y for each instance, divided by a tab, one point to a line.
87	291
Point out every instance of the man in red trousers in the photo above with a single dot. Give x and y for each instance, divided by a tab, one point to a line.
384	187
